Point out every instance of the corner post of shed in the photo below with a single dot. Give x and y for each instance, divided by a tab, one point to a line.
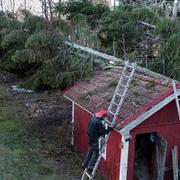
72	124
124	155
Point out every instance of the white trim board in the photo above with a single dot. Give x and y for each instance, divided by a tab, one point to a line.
147	114
78	105
72	123
124	158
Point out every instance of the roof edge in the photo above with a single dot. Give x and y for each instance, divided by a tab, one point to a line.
145	108
85	109
148	113
78	104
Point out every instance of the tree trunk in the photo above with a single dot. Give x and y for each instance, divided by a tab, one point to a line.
25	4
175	9
59	13
50	9
164	7
12	6
45	8
1	5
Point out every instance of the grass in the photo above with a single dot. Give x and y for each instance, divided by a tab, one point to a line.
86	96
2	92
23	156
113	83
150	85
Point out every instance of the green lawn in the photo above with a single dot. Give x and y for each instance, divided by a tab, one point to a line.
23	156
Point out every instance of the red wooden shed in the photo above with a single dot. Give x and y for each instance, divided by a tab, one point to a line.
148	124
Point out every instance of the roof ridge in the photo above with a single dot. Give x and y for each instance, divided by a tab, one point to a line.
161	80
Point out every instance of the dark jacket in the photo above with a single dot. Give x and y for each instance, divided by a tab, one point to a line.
96	129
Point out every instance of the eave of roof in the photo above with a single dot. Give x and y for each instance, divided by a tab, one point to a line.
146	114
144	109
157	98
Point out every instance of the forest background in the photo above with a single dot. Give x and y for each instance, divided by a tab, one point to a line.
32	46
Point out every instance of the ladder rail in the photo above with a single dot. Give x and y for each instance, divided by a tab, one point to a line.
176	98
121	101
117	87
115	114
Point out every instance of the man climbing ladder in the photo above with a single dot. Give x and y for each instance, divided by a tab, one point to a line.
95	130
114	109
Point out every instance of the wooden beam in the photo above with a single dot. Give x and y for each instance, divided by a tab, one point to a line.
113	59
94	52
146	24
175	162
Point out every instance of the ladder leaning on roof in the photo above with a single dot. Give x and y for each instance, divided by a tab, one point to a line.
177	98
121	90
114	108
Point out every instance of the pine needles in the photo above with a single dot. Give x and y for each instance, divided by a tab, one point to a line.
36	51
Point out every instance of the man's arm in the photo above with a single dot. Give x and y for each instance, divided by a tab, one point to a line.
102	130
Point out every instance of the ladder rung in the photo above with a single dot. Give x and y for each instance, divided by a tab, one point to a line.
89	176
126	76
112	113
122	85
118	94
115	103
129	66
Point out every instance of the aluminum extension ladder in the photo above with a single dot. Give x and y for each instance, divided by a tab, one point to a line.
114	108
177	98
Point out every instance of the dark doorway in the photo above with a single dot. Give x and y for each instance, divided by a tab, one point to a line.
150	156
144	156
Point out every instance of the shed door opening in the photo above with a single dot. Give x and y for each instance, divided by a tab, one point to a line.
150	153
144	156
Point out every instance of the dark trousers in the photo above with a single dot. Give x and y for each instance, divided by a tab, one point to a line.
92	156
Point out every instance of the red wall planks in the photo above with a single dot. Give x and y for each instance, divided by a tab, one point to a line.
166	123
81	120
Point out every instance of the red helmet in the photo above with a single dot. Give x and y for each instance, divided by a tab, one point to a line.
101	114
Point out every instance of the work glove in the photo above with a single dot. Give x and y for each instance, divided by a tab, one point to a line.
110	129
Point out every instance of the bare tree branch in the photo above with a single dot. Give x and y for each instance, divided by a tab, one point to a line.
175	9
45	8
50	9
12	6
1	5
25	4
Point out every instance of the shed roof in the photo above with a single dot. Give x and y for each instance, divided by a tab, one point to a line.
144	92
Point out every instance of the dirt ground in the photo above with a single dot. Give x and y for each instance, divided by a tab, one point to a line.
35	135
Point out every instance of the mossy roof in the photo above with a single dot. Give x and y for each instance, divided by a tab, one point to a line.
95	94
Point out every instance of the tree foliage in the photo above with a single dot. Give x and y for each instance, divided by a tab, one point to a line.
59	72
166	27
14	38
36	51
168	60
145	14
35	48
35	23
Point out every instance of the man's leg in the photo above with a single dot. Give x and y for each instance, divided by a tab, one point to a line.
88	157
94	158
